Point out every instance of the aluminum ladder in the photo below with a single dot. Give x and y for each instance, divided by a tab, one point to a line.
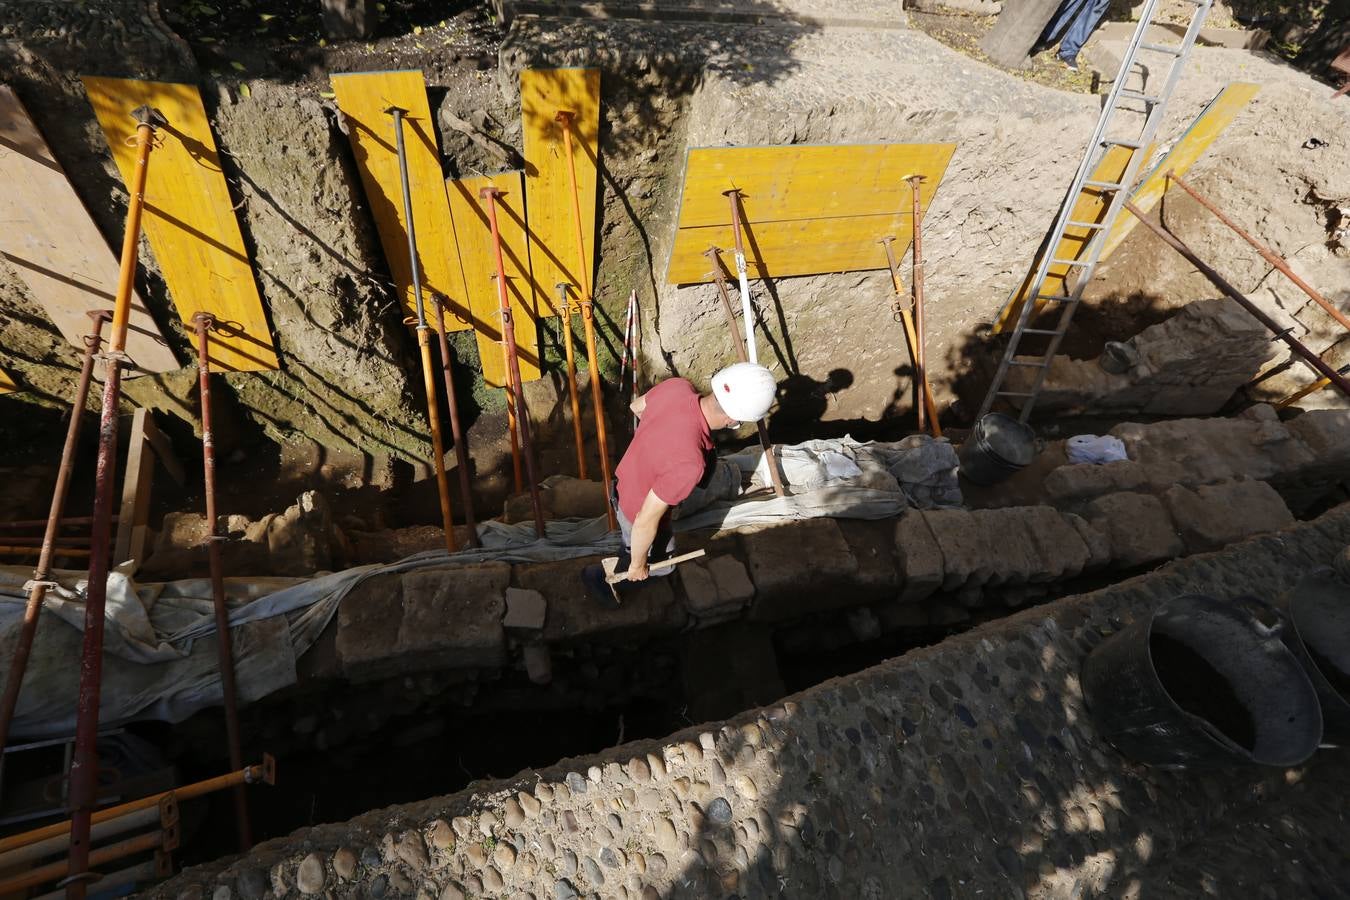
1113	130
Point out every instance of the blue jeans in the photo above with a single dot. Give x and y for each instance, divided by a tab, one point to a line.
664	534
1072	24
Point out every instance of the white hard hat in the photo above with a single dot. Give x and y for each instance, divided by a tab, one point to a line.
745	391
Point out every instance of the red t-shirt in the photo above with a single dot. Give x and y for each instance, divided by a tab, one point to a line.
668	452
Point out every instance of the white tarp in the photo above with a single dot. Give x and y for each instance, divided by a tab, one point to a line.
160	652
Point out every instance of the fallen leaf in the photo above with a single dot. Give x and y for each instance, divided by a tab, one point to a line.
244	91
236	65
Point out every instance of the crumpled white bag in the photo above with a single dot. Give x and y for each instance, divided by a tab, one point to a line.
1096	449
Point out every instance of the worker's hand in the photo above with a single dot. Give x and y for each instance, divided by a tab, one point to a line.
637	571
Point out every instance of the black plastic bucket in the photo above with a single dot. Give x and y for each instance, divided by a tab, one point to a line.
1318	633
1203	682
998	446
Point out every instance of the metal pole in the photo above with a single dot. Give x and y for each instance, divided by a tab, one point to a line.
1268	254
224	641
924	393
37	588
84	764
153	840
743	274
456	431
565	119
423	342
921	360
1218	281
565	321
265	772
512	360
765	444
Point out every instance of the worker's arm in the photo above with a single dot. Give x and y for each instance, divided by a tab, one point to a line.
644	532
639	405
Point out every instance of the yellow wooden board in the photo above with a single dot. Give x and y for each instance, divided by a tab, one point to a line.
548	190
1090	206
7	384
806	209
363	100
46	234
473	238
1211	122
807	182
189	217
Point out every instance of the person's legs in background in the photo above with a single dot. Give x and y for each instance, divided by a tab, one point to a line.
1061	20
1080	29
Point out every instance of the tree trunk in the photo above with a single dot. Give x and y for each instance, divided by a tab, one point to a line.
1016	30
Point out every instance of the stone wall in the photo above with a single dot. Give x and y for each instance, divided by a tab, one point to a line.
965	769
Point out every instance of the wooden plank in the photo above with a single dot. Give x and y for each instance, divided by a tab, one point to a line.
1090	206
164	452
807	181
548	190
1192	144
136	484
473	239
801	247
7	383
46	234
363	100
189	218
800	216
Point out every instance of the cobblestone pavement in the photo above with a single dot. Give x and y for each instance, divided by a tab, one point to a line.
966	769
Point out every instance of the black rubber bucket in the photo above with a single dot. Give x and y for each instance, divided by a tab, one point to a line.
998	446
1318	633
1203	682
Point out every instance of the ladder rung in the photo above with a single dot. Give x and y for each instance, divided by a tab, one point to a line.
1056	261
1054	298
1160	48
1013	394
1040	331
1133	145
1029	365
1104	185
1140	95
1095	225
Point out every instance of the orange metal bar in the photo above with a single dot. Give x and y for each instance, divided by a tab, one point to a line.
921	360
922	387
565	119
456	432
565	322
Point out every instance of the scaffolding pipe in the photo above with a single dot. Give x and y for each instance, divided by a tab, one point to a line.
423	340
921	388
84	765
37	588
1268	254
30	853
204	322
1325	370
566	118
456	431
490	194
565	321
921	357
765	444
166	839
265	772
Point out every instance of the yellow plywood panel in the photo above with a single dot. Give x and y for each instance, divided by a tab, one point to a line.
548	191
798	219
802	247
47	236
807	182
189	217
473	237
1090	206
7	384
364	100
1211	122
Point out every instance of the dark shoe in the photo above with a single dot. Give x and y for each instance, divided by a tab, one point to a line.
600	590
1070	64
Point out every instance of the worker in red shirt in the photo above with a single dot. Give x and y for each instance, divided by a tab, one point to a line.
671	454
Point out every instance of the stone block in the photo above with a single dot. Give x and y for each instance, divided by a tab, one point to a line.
1097	544
646	609
538	663
700	590
1216	515
453	614
1080	482
1138	528
918	557
873	546
524	609
733	581
368	624
1060	550
800	568
968	557
1207	451
1326	435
